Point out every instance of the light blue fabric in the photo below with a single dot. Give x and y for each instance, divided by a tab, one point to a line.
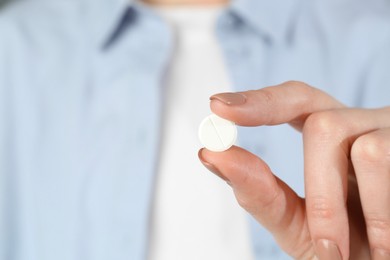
81	91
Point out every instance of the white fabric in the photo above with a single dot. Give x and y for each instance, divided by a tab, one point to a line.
195	215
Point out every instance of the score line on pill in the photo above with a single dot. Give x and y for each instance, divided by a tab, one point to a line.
217	134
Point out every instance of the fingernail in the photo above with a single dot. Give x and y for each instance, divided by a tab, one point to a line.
327	250
231	99
211	167
379	254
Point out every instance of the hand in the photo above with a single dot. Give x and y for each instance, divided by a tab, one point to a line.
346	210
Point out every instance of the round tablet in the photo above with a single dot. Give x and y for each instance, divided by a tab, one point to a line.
217	134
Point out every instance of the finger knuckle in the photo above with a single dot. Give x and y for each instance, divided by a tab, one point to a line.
371	148
243	203
267	95
256	205
247	205
378	229
379	224
271	199
299	84
320	208
305	90
324	125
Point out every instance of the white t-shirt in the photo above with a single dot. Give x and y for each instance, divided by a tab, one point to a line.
195	214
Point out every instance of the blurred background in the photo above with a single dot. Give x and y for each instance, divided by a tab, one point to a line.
2	2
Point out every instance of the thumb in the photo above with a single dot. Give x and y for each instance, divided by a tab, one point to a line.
267	198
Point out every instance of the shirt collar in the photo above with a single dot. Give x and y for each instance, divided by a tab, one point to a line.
104	17
270	18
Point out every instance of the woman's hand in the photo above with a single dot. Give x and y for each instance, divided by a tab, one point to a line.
346	210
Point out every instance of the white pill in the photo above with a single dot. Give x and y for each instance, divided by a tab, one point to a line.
217	134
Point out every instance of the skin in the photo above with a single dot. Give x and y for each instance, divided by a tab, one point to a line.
347	172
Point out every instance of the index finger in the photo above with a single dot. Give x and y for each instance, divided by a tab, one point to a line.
290	102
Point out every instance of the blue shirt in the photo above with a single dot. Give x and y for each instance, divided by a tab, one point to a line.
80	103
